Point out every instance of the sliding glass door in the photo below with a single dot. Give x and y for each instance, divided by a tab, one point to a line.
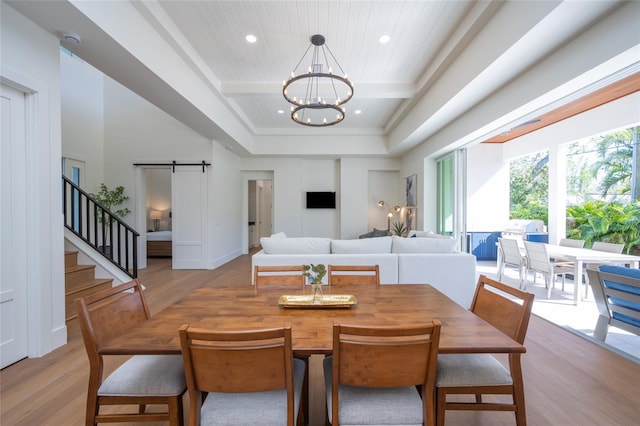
452	196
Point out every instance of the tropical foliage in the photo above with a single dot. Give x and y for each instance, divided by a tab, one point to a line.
602	189
608	222
529	181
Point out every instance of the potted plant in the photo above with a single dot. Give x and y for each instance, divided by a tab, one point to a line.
314	274
399	229
110	200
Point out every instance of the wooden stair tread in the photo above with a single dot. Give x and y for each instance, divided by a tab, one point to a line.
75	268
80	281
90	284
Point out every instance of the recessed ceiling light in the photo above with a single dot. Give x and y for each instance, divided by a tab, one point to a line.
280	111
358	111
251	38
384	39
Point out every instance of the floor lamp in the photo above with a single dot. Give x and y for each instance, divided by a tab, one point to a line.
390	212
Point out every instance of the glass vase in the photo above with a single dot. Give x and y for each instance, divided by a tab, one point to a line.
317	294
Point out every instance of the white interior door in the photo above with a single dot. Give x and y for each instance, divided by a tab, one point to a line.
13	291
189	190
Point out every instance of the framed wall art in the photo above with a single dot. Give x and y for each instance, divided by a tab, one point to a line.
411	191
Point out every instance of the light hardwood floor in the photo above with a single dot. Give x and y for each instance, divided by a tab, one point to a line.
568	380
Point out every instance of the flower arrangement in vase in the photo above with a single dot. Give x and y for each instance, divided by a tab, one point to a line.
314	274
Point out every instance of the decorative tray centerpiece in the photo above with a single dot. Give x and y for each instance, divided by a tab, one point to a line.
315	302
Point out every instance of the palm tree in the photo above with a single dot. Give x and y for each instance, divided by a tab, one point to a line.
618	159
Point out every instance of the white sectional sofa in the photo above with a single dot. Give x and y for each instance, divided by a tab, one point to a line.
425	259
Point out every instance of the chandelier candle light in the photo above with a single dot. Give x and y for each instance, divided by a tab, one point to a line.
314	94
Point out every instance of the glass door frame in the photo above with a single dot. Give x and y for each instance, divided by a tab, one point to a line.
452	196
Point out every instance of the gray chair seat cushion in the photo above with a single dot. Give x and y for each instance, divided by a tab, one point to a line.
374	406
161	375
253	408
471	370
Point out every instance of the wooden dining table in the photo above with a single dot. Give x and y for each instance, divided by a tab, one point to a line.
251	307
241	308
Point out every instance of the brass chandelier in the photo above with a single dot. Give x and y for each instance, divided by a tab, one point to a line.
314	95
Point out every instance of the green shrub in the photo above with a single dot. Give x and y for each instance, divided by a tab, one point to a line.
607	222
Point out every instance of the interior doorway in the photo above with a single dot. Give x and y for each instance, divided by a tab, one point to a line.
260	210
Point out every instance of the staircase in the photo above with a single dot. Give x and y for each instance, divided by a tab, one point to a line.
79	281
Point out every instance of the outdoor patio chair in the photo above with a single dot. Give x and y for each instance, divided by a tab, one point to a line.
512	256
600	246
616	290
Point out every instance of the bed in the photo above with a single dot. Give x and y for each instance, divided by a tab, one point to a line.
159	244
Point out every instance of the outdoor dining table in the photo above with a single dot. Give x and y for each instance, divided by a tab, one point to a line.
580	256
248	307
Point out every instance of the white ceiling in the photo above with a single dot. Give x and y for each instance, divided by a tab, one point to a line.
428	41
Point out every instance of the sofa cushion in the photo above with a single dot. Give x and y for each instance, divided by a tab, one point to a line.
423	245
367	245
305	245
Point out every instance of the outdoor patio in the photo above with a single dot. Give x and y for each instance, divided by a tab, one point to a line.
559	309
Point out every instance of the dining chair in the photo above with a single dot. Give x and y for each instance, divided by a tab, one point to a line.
374	374
354	274
563	268
512	256
143	379
290	276
538	262
509	310
568	242
599	246
247	377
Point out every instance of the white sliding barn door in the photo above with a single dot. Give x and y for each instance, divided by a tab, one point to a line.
13	211
189	191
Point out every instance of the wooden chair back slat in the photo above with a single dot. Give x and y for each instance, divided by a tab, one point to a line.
354	274
106	315
507	315
291	276
237	362
386	357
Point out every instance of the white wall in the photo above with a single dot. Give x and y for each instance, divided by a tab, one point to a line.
383	186
320	175
487	188
31	62
83	117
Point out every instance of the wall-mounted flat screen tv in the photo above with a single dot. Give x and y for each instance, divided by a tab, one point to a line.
321	200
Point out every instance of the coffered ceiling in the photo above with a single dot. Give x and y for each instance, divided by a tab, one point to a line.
442	58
